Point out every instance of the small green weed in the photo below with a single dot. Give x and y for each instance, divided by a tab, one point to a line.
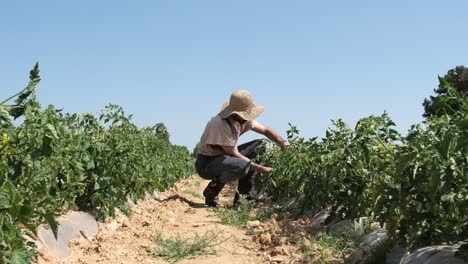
237	216
174	249
242	213
328	247
264	214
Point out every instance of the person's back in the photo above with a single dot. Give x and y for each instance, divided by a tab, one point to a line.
219	132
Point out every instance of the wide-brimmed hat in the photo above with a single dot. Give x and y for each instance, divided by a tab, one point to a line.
242	103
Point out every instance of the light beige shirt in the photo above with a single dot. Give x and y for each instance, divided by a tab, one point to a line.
222	132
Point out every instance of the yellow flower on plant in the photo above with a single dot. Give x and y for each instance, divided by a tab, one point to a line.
67	149
380	146
5	138
391	148
358	126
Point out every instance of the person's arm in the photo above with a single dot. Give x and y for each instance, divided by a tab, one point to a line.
234	152
271	134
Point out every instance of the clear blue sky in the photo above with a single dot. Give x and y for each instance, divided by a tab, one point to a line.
176	61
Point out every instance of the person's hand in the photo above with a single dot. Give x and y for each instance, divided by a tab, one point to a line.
265	170
285	145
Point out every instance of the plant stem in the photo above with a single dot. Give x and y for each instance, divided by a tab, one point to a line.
11	97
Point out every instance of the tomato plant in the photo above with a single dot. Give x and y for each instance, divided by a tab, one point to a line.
417	184
53	160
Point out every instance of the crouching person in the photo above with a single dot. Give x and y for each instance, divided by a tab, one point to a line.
220	160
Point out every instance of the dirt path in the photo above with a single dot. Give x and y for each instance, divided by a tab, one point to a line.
179	212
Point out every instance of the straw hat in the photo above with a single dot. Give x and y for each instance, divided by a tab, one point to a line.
241	103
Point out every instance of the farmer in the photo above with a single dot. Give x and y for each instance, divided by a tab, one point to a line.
219	158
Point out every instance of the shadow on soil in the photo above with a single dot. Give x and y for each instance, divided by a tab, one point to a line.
185	200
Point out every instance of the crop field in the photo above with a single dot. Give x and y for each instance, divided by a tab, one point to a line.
413	185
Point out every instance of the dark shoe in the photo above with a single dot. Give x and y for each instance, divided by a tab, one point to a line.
211	199
212	202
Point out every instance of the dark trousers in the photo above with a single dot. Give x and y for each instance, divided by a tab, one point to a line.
224	169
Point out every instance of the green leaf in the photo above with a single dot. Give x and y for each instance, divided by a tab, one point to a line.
16	111
4	202
34	73
50	219
19	256
448	197
404	161
379	205
443	83
5	115
24	95
52	130
444	146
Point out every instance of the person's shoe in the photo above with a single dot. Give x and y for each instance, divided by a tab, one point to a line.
212	202
210	199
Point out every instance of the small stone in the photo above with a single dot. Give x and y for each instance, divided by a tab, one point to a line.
265	239
280	251
146	223
278	231
125	224
253	224
98	249
277	259
195	225
255	239
112	226
283	241
155	195
277	251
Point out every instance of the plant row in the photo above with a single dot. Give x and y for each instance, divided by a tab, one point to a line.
51	161
417	185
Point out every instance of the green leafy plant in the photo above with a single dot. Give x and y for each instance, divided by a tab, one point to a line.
51	161
431	175
417	184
